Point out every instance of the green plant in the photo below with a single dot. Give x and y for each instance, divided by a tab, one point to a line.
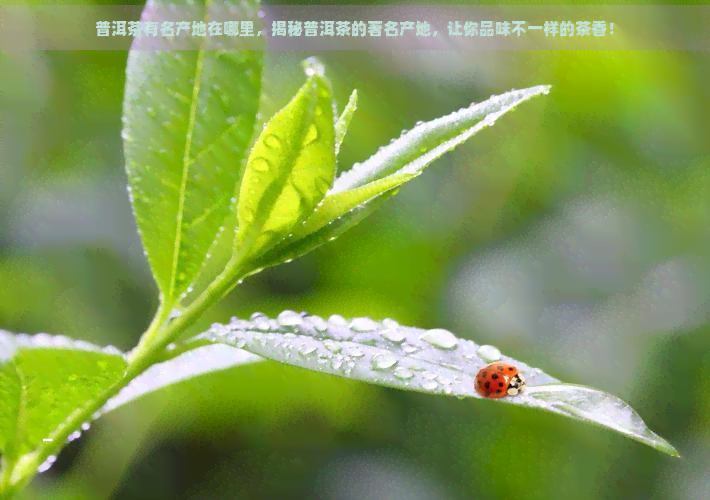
189	119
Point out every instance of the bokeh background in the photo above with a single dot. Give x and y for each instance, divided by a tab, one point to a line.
572	235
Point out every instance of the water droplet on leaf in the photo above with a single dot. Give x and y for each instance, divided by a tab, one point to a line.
337	320
363	324
489	353
289	318
332	345
429	385
260	165
389	323
383	361
403	373
318	323
438	337
272	141
312	66
356	352
393	335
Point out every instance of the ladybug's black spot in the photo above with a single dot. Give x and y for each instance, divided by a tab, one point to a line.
500	384
483	374
487	385
511	369
500	368
498	391
494	376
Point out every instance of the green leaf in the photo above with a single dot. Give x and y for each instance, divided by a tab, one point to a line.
431	361
290	168
188	118
391	166
293	248
426	142
336	205
341	127
43	380
193	359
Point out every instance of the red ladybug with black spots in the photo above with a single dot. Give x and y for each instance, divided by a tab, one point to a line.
498	380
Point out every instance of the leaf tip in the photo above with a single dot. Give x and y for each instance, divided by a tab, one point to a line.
672	451
313	67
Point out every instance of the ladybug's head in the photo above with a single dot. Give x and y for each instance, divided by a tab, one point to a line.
516	385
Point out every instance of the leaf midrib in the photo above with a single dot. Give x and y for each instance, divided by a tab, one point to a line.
14	444
186	161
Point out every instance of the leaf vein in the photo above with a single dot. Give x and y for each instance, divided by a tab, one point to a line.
217	204
186	163
212	144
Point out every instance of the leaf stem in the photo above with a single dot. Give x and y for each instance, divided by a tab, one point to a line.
7	463
149	351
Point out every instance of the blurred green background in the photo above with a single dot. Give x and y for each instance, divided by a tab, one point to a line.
572	235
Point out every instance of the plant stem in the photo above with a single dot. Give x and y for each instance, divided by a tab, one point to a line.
150	350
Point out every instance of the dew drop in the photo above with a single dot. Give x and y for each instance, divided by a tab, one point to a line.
47	464
289	318
273	142
311	135
332	345
356	352
403	373
306	351
312	66
363	324
151	112
390	323
260	165
393	335
337	320
73	436
262	324
410	349
383	361
438	337
489	353
429	385
318	323
85	426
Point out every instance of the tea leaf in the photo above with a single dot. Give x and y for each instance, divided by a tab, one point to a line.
431	361
290	168
188	118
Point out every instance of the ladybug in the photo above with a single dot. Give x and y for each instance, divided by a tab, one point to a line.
498	380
